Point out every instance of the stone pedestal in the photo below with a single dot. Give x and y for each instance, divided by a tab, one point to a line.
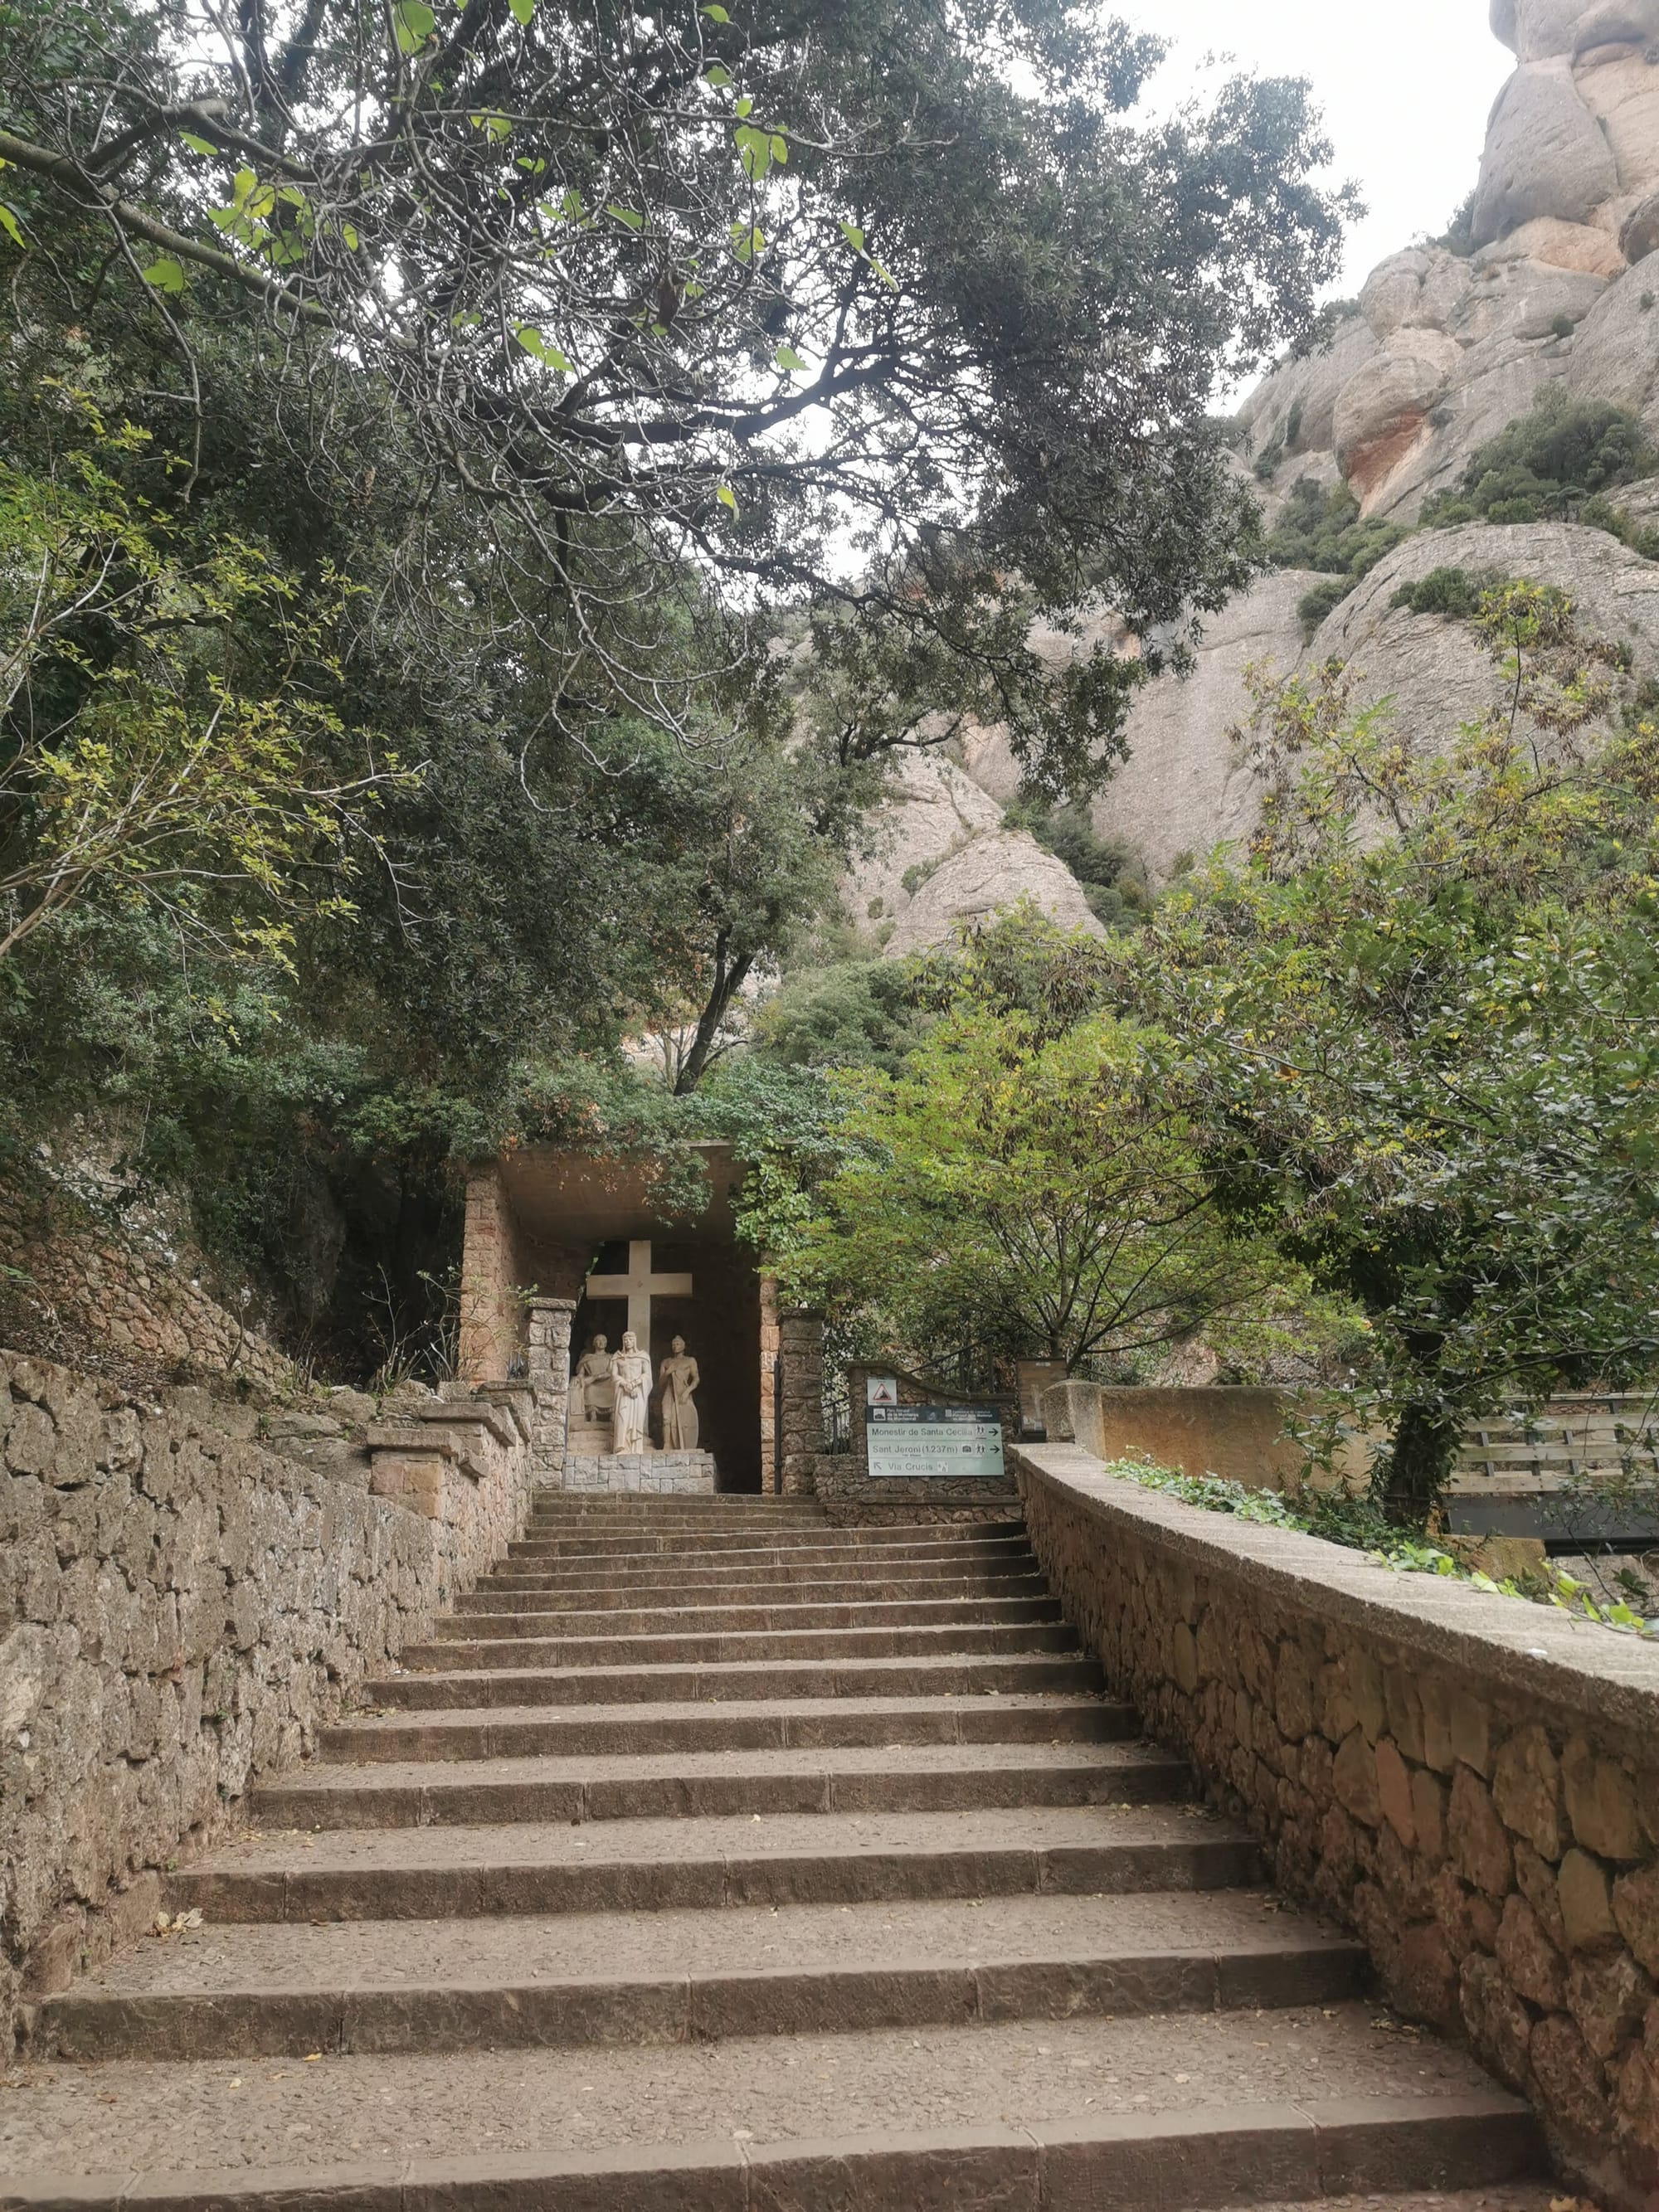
549	1375
680	1474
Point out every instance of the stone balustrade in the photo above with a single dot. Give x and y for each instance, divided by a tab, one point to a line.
1469	1782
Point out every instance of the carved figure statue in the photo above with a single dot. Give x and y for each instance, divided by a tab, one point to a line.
591	1380
679	1377
630	1374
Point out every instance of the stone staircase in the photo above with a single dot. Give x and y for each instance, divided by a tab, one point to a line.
718	1859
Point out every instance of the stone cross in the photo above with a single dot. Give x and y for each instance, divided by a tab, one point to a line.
639	1286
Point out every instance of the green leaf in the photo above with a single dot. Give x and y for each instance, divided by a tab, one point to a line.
348	231
498	126
715	15
886	276
541	350
718	75
626	215
780	148
413	23
727	497
854	236
787	357
167	275
745	107
197	145
242	184
8	223
523	11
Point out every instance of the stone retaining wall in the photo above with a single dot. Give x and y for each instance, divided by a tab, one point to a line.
83	1274
180	1609
1469	1782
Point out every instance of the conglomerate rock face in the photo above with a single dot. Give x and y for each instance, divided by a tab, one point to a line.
1559	289
1185	786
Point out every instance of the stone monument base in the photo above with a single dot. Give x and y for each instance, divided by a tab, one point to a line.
658	1474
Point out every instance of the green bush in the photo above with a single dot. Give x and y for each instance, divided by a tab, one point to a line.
1450	592
1313	606
1322	530
1111	872
1546	465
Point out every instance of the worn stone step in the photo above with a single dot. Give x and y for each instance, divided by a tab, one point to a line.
540	1593
677	1976
1082	2116
526	1617
763	1725
770	1565
759	1645
714	1862
957	1674
847	1542
924	1777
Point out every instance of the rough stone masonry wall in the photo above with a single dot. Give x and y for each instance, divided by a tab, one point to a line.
1469	1782
179	1608
142	1304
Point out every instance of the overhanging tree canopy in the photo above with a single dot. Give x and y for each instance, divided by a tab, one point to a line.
865	307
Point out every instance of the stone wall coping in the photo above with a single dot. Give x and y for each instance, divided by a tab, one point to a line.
1534	1654
464	1412
411	1436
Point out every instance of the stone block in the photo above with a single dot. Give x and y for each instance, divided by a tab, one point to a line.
1570	2082
1499	2025
1393	1784
1600	1802
1428	1799
1354	1779
1533	1966
1636	1908
1526	1788
1471	1733
1584	1892
1480	1849
1609	1998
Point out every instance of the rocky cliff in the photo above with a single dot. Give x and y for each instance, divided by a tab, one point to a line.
1550	282
1553	283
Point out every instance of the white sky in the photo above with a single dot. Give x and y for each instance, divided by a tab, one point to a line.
1405	92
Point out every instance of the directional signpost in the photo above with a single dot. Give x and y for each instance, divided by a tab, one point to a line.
964	1442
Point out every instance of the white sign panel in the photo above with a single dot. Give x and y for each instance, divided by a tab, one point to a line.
961	1441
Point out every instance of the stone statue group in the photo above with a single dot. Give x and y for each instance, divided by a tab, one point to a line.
624	1378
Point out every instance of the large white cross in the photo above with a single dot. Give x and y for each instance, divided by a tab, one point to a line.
639	1286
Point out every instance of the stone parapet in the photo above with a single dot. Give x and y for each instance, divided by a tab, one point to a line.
1468	1782
182	1606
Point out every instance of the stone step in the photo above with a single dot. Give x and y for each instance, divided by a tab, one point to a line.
710	1646
924	1777
502	1593
526	1617
693	1543
1081	2116
690	1977
549	1499
763	1725
954	1674
817	1858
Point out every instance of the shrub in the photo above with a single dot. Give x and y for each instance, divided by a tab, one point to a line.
1313	606
1322	530
1449	592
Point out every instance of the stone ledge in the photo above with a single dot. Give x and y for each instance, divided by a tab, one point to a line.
1578	1668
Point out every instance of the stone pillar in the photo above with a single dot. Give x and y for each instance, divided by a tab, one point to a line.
550	1321
490	1318
768	1361
800	1348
